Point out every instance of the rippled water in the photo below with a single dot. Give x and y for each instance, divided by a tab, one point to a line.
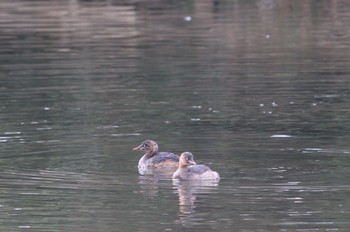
257	90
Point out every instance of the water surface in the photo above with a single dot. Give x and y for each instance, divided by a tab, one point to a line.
257	90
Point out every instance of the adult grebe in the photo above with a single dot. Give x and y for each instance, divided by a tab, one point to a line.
155	159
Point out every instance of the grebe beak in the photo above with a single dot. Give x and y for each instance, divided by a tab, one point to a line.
192	162
139	148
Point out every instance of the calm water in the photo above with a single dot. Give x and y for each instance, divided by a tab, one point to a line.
258	90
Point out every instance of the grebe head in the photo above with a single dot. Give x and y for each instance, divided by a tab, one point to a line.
149	146
186	159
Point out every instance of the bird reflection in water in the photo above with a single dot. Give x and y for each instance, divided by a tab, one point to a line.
152	180
188	192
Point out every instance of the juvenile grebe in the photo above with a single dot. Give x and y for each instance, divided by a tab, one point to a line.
155	159
189	170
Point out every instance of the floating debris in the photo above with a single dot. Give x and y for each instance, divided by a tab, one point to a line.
280	136
196	107
12	133
188	18
126	134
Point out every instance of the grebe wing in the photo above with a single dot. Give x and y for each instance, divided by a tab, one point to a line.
199	168
164	156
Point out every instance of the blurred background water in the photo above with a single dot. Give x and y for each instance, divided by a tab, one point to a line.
257	90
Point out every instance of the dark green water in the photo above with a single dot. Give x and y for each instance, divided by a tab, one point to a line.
257	90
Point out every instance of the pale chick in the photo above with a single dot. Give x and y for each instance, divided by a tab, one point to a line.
189	170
